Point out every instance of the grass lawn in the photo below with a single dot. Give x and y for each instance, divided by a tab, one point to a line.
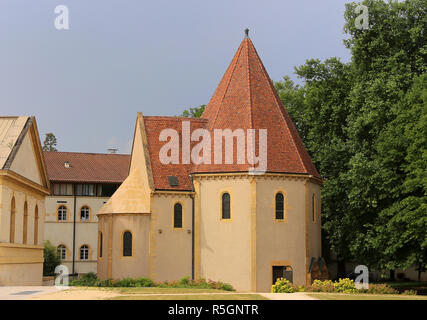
155	293
343	296
421	286
237	296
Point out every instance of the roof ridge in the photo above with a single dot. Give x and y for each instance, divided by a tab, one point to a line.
264	72
86	153
176	118
236	57
247	40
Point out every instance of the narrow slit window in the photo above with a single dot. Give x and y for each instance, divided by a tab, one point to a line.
127	244
226	214
313	208
100	244
280	206
177	216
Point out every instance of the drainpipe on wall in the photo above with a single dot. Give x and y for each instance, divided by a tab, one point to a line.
74	231
192	236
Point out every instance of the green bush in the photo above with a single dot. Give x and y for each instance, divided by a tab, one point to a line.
380	289
51	259
345	285
144	282
87	280
410	292
185	281
90	280
283	285
322	286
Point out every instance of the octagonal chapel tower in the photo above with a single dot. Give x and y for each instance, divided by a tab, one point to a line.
215	217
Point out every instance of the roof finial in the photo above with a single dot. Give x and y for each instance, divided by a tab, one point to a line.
246	33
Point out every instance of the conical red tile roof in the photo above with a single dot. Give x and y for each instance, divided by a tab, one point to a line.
245	98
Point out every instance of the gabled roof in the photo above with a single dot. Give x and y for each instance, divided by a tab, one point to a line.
11	128
20	151
130	197
87	167
161	172
246	99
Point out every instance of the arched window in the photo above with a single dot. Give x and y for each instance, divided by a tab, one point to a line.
62	251
36	225
127	244
84	213
280	206
25	226
177	216
12	221
225	214
100	244
313	208
84	252
62	213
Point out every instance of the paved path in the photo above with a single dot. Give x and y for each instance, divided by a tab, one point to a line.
25	292
287	296
51	292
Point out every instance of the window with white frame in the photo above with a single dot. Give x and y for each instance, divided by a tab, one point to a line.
84	252
62	251
62	213
84	213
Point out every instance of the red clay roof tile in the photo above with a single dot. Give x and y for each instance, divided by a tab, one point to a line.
87	167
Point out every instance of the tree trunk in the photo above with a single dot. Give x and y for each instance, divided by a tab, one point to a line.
392	278
341	273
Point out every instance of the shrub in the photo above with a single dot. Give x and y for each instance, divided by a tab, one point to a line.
51	259
87	280
345	285
322	286
144	282
185	281
283	285
410	292
90	280
380	289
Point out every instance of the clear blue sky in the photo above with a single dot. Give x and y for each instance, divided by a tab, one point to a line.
86	84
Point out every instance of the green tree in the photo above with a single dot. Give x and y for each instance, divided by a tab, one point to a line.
364	125
49	143
51	259
195	112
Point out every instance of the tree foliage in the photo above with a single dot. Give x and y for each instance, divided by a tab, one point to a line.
195	112
49	143
51	259
364	124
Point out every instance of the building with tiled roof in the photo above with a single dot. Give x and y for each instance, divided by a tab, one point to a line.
23	188
232	196
81	183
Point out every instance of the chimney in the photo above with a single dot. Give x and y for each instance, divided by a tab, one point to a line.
112	150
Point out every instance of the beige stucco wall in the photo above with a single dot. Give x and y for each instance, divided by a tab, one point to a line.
20	264
61	232
160	252
225	253
9	189
25	162
314	227
138	264
243	251
284	242
171	249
